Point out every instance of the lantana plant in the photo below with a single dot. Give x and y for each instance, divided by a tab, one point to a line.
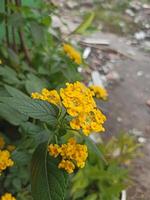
68	115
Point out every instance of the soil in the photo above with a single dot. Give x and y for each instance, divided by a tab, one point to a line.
127	101
128	108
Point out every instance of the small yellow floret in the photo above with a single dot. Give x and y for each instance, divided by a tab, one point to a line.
67	165
77	98
0	61
72	53
89	122
10	148
5	160
7	196
54	150
72	154
99	92
51	96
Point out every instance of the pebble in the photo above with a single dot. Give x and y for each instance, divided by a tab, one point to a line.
113	76
135	5
146	45
140	73
148	102
119	119
86	53
142	140
124	195
80	69
98	79
56	22
146	6
147	26
106	68
72	4
140	35
117	152
130	13
136	132
96	138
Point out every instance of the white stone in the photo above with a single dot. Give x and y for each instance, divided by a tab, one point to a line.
86	53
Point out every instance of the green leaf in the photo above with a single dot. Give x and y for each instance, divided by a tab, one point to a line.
79	194
85	24
12	115
46	21
35	131
13	57
3	92
15	92
35	84
79	185
20	157
92	197
33	108
48	182
37	32
36	109
9	75
94	148
2	16
16	20
16	182
70	73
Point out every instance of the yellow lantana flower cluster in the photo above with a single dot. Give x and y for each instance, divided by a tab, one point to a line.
7	196
99	92
77	98
79	102
72	53
72	154
51	96
89	122
5	160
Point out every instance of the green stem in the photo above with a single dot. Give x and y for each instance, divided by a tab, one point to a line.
56	139
45	126
64	116
96	149
60	111
62	119
51	133
70	129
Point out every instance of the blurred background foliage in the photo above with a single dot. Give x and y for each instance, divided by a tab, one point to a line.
101	180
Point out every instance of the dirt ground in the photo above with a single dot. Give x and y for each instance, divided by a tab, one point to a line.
127	109
129	92
127	102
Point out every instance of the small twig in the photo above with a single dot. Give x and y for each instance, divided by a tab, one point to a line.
106	49
6	23
14	39
13	32
21	36
26	52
